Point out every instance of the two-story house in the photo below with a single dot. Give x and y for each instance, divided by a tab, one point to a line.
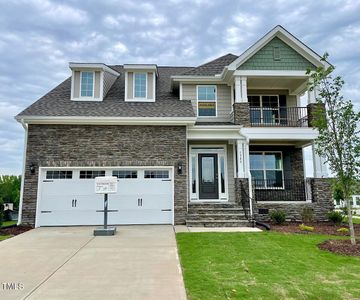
220	144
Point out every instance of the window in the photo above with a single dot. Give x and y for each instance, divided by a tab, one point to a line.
59	175
206	97
267	169
125	174
140	85
91	174
87	84
265	109
156	174
193	174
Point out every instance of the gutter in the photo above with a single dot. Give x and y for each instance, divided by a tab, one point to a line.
107	120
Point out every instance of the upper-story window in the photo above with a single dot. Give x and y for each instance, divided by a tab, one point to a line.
87	84
206	98
140	85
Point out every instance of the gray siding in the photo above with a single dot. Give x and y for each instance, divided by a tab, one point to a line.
109	80
97	85
76	84
223	102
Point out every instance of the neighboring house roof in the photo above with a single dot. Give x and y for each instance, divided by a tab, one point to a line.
213	67
57	102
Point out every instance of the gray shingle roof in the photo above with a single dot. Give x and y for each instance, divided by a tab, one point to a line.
213	67
57	102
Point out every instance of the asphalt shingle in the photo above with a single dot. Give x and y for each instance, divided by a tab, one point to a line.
213	67
57	102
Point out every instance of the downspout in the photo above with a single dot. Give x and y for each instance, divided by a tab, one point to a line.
23	172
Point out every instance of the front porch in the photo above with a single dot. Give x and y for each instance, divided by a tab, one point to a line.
233	181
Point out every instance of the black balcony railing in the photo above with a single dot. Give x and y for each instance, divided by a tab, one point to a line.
279	116
281	190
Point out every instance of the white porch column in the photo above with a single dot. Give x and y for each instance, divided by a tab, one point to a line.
320	167
312	95
242	148
241	89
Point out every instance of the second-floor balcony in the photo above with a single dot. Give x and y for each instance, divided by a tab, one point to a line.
279	116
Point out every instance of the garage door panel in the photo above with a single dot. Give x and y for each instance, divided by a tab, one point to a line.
57	207
64	218
140	217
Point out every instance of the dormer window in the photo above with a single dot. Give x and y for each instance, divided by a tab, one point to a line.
91	82
140	83
87	84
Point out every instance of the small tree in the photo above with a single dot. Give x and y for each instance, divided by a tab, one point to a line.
338	141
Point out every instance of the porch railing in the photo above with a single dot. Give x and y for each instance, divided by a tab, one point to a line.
279	116
281	190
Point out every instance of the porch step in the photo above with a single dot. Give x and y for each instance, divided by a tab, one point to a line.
216	210
217	223
217	216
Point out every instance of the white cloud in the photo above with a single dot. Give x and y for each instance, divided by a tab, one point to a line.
59	13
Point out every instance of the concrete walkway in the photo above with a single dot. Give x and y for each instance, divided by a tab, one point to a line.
139	262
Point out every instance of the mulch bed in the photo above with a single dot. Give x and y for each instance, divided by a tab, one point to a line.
14	230
341	247
319	227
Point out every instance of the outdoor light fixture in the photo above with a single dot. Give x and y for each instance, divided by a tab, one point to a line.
32	168
179	167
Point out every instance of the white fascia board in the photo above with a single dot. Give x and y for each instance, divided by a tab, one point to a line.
108	120
140	67
195	79
271	73
94	66
280	133
214	133
285	36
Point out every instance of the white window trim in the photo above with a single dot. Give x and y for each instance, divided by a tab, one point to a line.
140	99
197	101
146	86
220	150
264	170
93	87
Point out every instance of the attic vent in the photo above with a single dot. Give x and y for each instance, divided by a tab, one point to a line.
276	53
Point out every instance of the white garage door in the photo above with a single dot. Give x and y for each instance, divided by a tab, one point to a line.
67	197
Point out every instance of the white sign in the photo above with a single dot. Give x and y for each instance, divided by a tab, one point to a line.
106	185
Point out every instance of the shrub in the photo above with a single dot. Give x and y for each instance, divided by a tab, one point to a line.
306	228
278	216
335	216
307	214
343	230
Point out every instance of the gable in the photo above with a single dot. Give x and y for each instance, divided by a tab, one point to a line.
264	58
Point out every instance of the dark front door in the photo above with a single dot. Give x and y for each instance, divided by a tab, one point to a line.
208	176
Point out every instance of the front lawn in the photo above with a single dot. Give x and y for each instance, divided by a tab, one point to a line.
266	265
4	237
355	220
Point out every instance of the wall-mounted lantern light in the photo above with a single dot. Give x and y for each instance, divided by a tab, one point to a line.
32	168
180	168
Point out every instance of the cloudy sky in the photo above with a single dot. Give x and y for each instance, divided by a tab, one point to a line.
39	37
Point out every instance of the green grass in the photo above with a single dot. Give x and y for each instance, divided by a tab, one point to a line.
8	223
266	265
355	220
4	237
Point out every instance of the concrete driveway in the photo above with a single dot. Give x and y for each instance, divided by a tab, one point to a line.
139	262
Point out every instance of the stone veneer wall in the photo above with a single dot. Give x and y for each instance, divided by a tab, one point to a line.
86	145
241	114
321	203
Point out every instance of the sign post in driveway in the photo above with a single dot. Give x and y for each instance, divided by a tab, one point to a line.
105	185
